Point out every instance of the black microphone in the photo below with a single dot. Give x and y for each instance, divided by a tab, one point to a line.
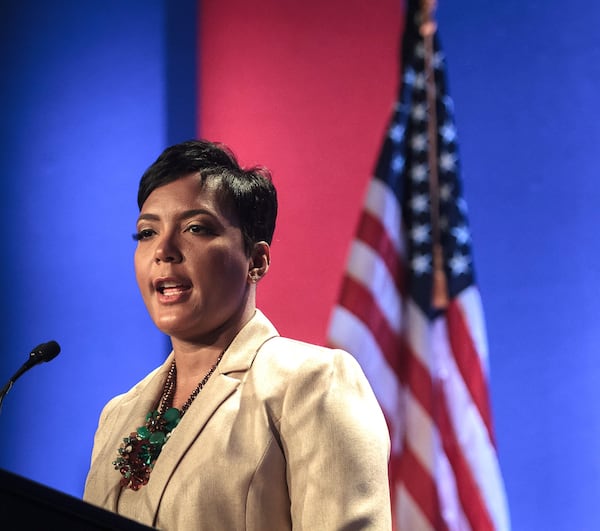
43	352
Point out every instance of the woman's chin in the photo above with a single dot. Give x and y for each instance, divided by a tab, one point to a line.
171	323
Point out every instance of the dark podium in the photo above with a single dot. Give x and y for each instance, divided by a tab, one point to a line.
29	506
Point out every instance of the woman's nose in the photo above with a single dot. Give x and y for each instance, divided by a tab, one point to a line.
167	251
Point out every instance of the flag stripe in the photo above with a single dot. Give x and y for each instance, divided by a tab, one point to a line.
373	233
358	300
424	490
365	263
383	205
407	513
479	450
416	377
468	492
469	364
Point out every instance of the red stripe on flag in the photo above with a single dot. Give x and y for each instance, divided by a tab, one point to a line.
399	355
416	377
358	300
469	363
469	494
420	485
374	234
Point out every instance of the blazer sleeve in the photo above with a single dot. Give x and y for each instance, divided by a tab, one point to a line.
337	445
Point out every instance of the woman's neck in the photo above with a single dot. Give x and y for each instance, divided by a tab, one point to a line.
194	357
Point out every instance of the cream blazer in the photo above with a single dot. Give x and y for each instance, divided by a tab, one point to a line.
285	435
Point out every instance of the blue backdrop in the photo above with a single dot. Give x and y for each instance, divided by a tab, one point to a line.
525	78
92	91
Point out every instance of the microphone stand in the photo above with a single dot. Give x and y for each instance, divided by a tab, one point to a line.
10	383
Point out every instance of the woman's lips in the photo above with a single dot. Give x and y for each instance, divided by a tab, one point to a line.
171	290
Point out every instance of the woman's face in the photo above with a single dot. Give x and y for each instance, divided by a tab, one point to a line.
190	263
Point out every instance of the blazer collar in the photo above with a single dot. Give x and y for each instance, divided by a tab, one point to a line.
240	354
129	413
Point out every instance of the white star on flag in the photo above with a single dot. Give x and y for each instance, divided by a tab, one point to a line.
396	133
447	161
448	132
419	142
419	203
398	163
419	173
459	264
446	192
421	264
462	234
419	80
419	112
420	233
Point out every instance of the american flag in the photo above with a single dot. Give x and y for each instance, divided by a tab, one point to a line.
410	311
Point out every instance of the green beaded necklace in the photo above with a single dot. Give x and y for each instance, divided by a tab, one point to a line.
140	450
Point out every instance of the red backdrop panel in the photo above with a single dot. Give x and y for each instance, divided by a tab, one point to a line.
306	89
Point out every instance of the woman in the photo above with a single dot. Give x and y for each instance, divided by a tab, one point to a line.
239	428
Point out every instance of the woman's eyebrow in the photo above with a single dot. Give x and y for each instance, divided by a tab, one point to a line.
148	216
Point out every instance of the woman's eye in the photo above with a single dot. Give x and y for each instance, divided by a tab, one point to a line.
143	234
199	229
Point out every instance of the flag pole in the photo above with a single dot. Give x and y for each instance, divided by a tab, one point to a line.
427	28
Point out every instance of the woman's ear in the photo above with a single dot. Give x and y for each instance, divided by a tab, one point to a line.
260	259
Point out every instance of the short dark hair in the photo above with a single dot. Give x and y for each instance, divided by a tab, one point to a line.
249	192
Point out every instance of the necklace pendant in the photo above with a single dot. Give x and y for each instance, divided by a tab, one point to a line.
171	416
138	453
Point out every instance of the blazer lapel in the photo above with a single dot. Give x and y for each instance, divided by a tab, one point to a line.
130	414
227	377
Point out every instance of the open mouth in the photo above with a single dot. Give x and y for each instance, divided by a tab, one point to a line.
170	288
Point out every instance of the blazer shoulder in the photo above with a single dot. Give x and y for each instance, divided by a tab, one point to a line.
299	359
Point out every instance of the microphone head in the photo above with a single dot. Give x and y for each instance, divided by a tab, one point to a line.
44	352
